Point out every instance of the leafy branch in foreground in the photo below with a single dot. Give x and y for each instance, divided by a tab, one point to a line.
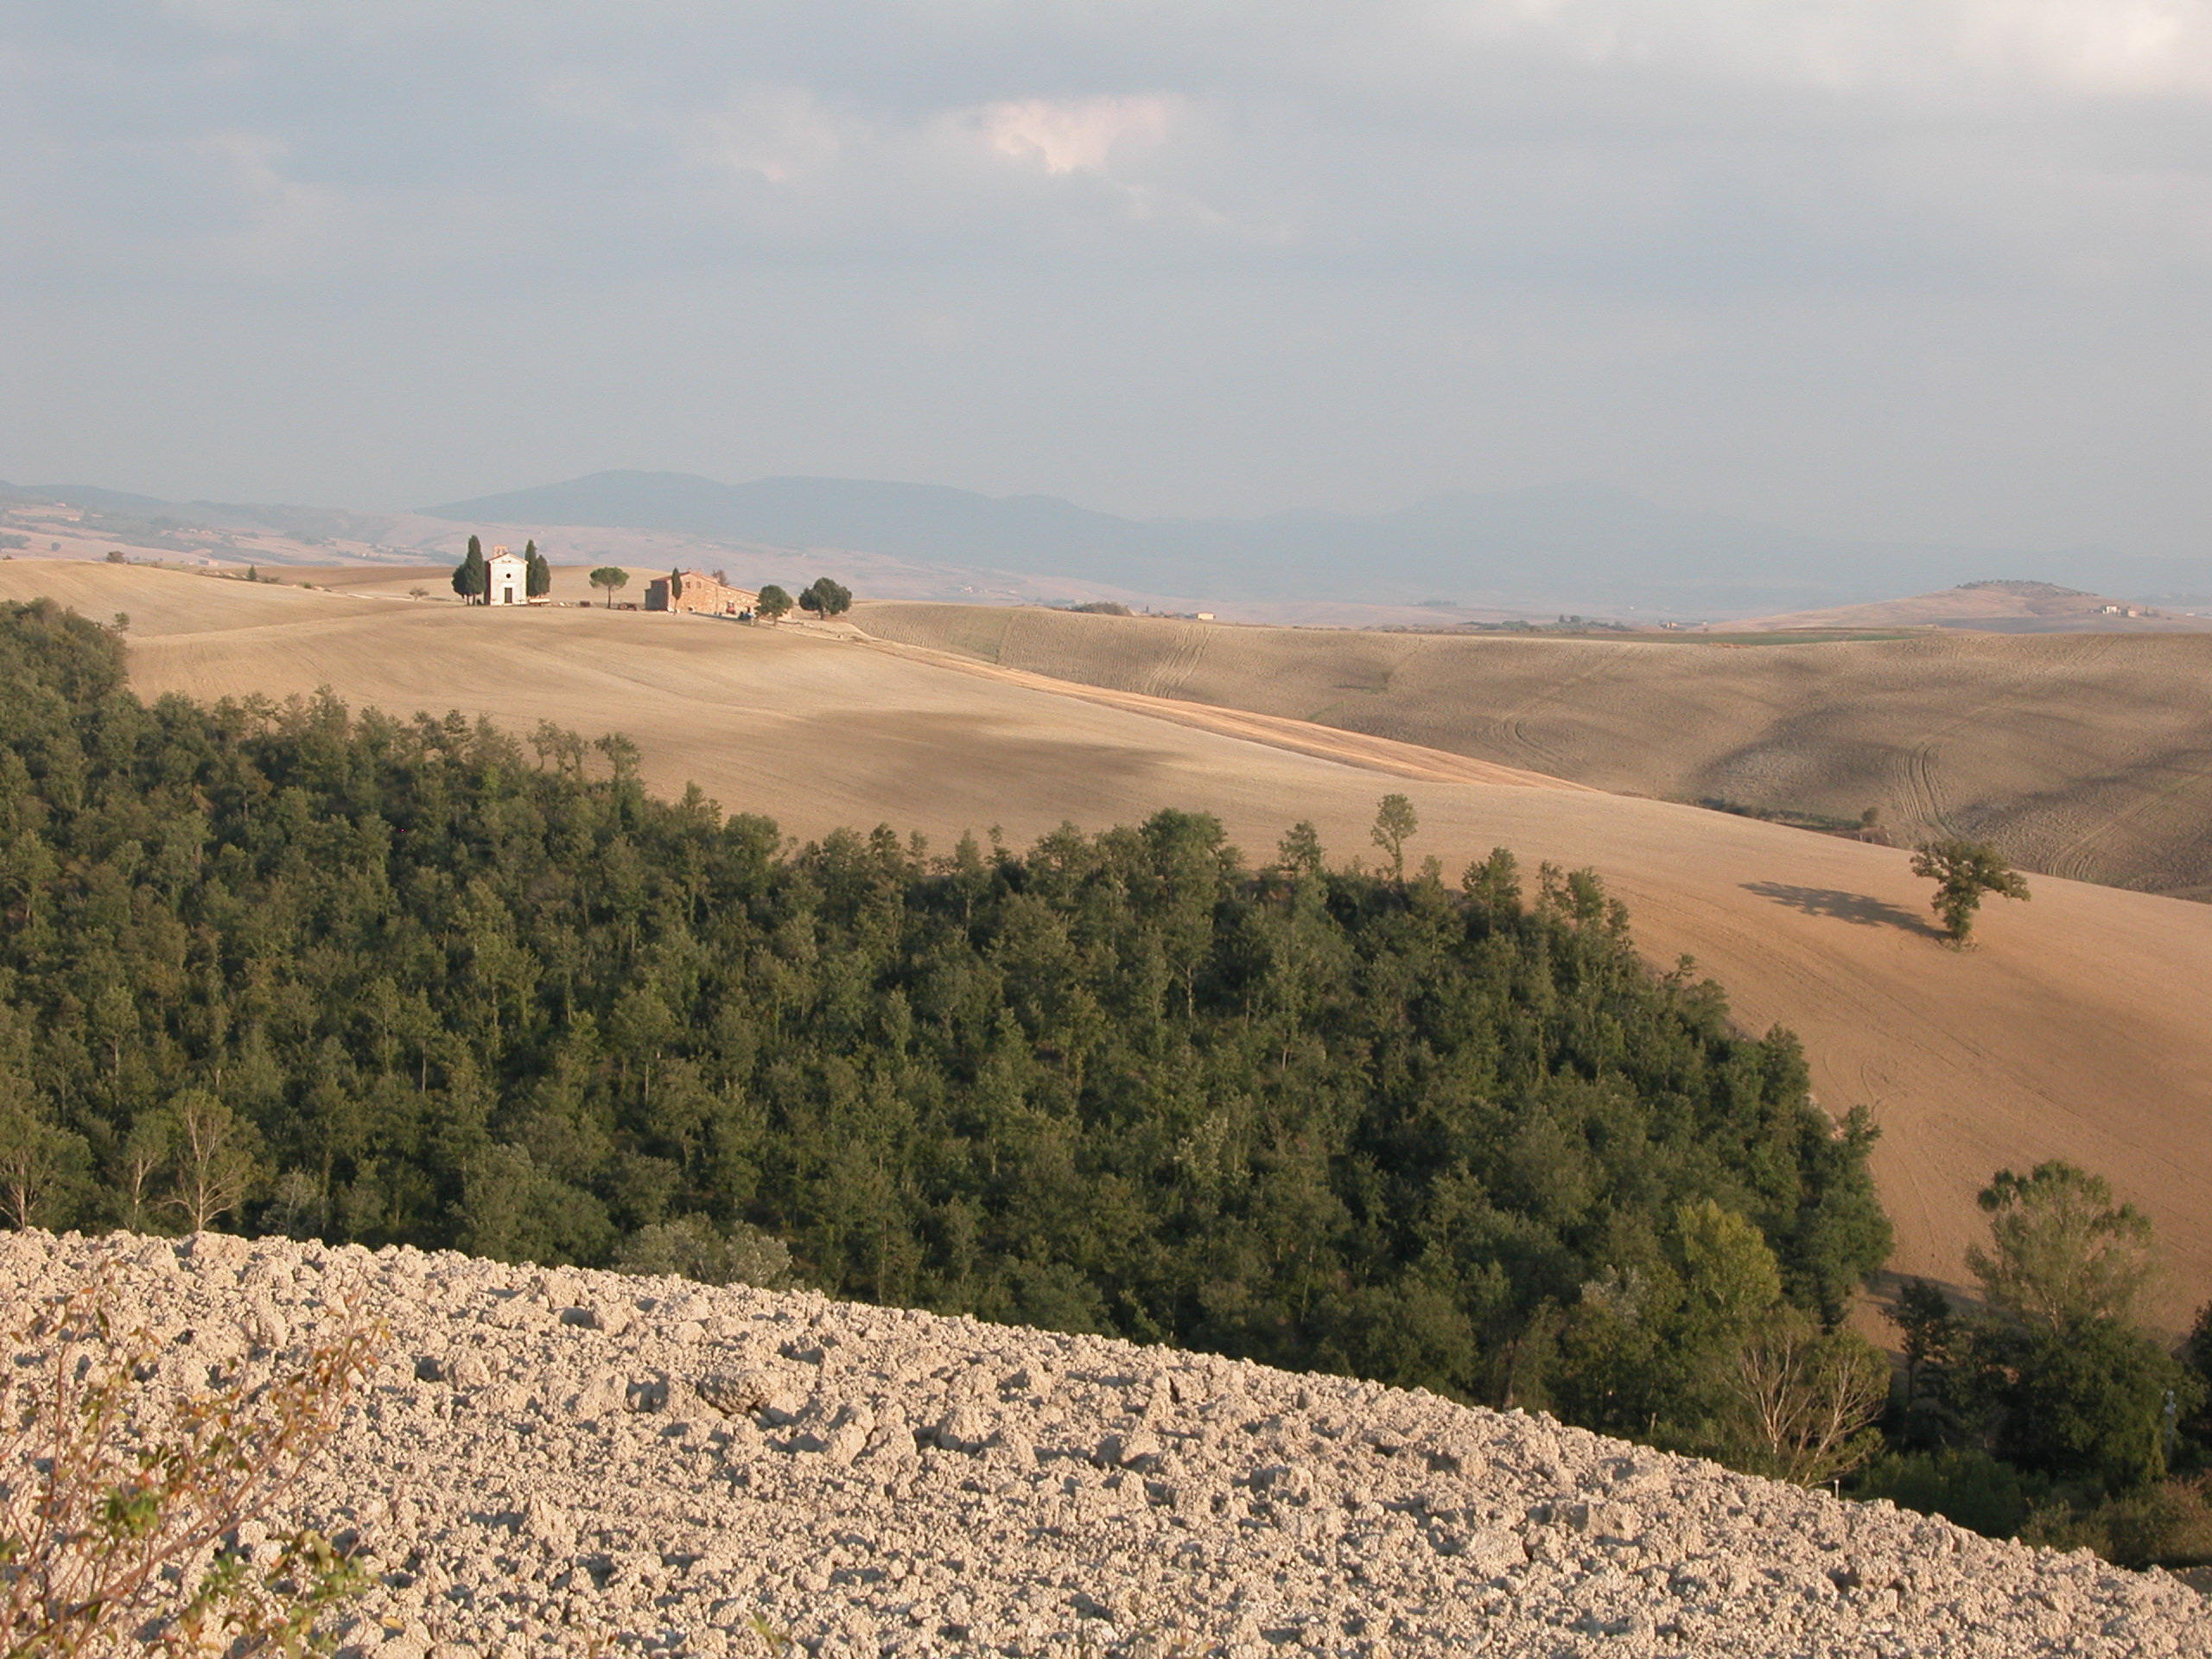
120	1508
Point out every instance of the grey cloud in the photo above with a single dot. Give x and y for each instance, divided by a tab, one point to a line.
1923	269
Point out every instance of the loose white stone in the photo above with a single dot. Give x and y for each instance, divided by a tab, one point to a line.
685	1461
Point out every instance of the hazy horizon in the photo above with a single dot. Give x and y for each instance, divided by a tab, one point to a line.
1879	271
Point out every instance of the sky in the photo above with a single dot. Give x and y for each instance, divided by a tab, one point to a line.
1924	269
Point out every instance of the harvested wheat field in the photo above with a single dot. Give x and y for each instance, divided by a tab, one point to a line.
2088	755
2082	1028
569	1462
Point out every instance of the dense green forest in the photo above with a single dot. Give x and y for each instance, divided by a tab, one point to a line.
295	968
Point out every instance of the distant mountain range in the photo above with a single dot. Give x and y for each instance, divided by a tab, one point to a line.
1583	547
1587	549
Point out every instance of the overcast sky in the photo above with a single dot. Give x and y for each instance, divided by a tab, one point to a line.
1924	269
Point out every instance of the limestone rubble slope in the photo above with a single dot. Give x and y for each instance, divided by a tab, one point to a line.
551	1461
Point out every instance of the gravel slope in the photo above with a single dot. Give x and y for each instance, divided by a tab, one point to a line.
549	1459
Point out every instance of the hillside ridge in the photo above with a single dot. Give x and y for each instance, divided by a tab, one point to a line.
2076	1029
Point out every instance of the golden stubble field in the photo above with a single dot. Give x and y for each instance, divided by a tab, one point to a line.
2080	1028
2088	755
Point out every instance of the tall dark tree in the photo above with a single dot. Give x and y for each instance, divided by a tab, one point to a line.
470	579
537	573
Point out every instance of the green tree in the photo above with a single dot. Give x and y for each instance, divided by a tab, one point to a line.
1962	1483
1495	883
1808	1399
1116	1081
1933	1342
1731	1279
40	1160
2197	1354
537	574
1300	850
2058	1377
773	604
610	577
826	598
469	577
143	1155
1962	872
213	1170
1395	824
2061	1254
2086	1403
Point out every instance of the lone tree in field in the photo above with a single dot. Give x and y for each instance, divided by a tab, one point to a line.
469	576
1962	872
773	604
1395	824
826	598
537	573
610	577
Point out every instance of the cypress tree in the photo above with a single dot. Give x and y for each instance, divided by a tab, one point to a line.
470	579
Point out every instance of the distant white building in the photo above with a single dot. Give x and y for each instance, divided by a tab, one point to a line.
506	579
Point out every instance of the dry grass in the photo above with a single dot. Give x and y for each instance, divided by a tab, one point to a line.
2083	755
2080	1027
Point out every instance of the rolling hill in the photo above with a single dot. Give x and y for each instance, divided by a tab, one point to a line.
2080	1028
2086	755
1994	607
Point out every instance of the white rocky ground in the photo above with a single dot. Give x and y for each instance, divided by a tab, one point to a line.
552	1461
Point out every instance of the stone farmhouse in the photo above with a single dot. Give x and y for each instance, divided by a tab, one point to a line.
701	594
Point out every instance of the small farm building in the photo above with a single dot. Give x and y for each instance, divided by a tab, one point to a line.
699	593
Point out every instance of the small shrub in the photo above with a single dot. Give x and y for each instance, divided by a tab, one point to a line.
1966	1485
691	1248
115	1503
2166	1524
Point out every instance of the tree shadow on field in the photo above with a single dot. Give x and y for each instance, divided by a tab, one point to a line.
1860	909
